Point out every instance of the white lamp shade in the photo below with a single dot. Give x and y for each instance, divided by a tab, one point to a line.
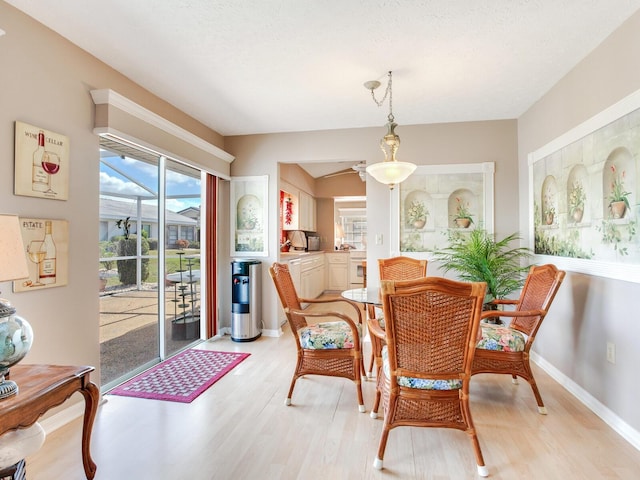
13	263
391	172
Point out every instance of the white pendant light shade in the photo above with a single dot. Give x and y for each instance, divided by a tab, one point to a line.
392	172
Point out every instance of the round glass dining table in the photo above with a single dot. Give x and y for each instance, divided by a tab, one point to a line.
368	295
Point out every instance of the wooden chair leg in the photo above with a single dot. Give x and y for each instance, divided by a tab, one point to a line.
293	384
361	407
542	410
482	468
375	342
376	405
377	463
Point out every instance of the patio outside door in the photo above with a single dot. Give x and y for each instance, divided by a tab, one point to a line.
149	273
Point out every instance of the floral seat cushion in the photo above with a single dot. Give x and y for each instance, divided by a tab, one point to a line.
326	335
419	383
494	337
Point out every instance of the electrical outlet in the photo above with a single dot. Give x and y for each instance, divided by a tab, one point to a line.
611	352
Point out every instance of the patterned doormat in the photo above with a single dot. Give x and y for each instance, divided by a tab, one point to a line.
181	378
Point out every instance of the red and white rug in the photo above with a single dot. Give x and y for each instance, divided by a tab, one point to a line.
181	378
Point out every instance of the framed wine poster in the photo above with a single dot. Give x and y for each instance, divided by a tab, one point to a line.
41	163
46	247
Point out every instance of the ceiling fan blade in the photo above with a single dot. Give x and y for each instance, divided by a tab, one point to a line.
342	172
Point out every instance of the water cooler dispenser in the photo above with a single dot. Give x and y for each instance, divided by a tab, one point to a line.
246	300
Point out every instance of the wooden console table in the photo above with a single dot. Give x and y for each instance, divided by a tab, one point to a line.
42	387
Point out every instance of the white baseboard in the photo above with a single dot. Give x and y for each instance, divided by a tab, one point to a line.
272	333
616	423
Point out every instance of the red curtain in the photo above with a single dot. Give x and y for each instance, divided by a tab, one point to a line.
211	196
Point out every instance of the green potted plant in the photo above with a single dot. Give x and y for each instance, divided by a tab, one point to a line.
618	196
417	214
577	197
462	217
478	257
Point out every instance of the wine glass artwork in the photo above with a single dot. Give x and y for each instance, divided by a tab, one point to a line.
51	165
36	254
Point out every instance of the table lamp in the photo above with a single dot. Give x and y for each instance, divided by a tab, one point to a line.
16	335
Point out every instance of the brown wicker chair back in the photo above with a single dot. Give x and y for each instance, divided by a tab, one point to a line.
431	325
394	268
401	268
287	293
539	290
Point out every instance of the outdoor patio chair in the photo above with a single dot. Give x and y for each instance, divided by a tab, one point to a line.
327	348
506	349
430	332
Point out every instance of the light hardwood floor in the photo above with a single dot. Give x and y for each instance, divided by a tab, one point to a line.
240	428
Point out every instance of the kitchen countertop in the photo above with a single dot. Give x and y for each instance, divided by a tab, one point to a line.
289	255
299	254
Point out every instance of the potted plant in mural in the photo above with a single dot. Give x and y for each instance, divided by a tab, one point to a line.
618	196
577	197
462	218
549	206
249	207
417	214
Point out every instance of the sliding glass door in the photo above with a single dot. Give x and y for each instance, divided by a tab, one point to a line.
149	272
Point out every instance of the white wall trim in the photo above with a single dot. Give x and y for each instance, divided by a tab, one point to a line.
272	332
117	135
611	419
110	97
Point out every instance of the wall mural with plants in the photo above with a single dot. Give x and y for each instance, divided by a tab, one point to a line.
249	228
440	200
585	190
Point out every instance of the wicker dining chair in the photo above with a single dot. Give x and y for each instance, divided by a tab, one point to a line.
327	348
506	349
430	334
394	268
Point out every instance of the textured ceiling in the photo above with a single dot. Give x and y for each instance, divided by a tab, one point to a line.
260	66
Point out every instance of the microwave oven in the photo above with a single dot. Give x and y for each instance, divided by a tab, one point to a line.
313	243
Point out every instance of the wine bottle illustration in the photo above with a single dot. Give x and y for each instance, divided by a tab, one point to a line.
40	180
48	264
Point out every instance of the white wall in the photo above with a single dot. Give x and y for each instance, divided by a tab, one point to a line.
471	142
46	82
590	311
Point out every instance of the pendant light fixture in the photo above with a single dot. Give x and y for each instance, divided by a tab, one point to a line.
390	171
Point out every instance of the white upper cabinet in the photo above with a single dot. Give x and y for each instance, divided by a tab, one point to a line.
298	211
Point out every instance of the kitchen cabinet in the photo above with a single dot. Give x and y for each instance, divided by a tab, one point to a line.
356	269
312	276
337	271
294	270
307	212
298	211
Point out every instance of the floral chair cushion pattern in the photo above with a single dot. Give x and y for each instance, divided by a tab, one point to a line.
419	383
326	335
506	339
